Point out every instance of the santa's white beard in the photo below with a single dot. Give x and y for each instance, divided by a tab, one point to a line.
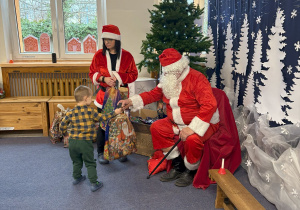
170	85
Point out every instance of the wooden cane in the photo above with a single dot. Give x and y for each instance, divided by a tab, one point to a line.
148	177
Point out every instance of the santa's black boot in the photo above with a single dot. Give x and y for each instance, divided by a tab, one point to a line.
176	171
186	178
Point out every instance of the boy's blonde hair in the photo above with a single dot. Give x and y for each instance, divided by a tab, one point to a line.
82	91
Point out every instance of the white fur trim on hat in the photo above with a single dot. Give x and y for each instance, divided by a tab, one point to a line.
191	166
180	64
137	103
95	82
110	36
173	154
199	126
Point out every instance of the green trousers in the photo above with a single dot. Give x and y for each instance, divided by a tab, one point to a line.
83	151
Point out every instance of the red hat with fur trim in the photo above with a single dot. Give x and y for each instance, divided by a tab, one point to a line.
111	32
169	56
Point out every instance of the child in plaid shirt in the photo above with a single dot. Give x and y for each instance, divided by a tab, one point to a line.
82	121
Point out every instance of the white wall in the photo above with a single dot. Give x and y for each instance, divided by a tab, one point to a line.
2	47
132	18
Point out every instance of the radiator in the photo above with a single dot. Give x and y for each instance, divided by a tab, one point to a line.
47	84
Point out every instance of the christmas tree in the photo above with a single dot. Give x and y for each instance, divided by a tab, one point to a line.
173	26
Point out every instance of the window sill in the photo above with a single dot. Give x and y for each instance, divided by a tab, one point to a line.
45	64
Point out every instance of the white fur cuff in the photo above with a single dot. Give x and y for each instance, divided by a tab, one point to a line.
191	166
137	102
95	82
118	78
199	126
174	154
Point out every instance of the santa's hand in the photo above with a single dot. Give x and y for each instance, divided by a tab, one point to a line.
185	132
126	103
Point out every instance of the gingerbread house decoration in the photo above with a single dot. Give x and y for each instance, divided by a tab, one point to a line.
45	42
74	45
89	44
31	44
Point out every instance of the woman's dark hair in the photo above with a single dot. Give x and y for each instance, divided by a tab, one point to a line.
117	46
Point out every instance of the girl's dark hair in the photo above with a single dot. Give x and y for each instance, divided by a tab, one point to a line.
117	46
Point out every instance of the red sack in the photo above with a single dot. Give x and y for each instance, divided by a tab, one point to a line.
154	160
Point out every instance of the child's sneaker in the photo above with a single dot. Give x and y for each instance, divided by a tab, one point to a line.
77	181
96	186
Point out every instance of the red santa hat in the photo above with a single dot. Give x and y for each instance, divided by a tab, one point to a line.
172	60
111	32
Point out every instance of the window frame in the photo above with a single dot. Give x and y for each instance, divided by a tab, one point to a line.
57	34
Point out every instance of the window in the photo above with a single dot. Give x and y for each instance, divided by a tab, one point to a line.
68	28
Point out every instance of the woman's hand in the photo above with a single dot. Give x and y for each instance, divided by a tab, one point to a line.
110	81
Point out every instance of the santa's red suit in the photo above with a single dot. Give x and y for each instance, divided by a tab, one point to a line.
125	73
194	105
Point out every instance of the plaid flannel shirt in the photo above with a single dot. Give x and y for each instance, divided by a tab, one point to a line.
82	120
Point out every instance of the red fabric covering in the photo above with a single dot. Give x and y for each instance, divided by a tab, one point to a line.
155	159
223	144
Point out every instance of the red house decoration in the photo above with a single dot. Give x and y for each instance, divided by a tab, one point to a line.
74	45
45	42
31	44
89	44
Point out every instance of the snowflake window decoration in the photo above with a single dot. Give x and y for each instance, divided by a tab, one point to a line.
289	69
294	193
297	46
293	13
284	131
268	177
248	163
258	19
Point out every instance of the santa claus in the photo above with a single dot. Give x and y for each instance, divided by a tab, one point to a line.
191	113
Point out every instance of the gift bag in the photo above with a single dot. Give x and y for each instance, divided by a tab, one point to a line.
111	98
120	140
55	134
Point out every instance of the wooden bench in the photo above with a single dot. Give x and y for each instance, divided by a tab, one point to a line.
231	193
66	101
25	113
